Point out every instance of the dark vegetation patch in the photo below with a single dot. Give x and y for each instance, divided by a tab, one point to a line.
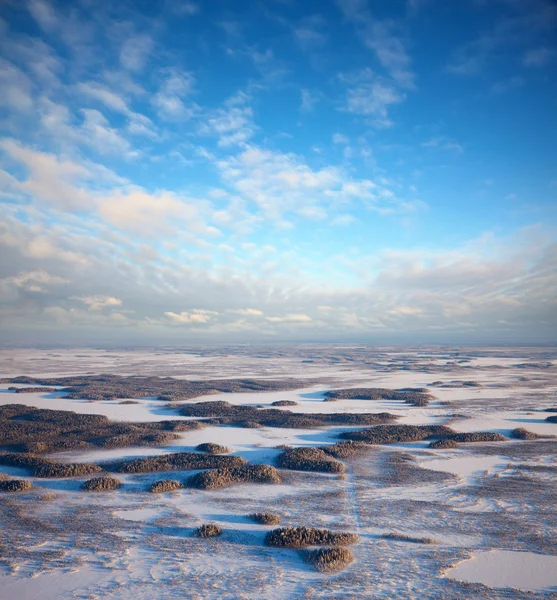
392	434
178	461
403	537
302	537
15	485
308	459
208	530
165	485
523	434
101	484
27	429
112	387
328	560
345	449
443	444
250	416
553	409
211	448
552	419
401	469
45	467
227	477
534	365
412	396
476	436
284	403
455	384
265	518
32	390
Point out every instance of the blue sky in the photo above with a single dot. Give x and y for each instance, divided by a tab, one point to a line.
275	170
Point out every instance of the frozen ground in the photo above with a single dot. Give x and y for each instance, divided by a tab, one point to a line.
482	504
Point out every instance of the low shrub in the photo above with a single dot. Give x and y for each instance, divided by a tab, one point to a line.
345	449
15	485
412	396
552	419
164	485
443	444
211	448
392	434
101	484
250	416
302	537
284	403
28	429
265	518
553	409
403	537
308	459
178	461
476	436
208	530
221	478
33	390
328	560
523	434
44	467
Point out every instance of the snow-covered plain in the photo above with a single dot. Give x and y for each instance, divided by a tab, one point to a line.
477	501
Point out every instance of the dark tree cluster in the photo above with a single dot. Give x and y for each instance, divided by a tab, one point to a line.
101	484
212	448
302	537
393	434
250	416
15	485
177	461
227	477
328	560
307	458
412	396
111	387
28	429
45	467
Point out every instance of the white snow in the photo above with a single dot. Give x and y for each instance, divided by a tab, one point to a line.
507	569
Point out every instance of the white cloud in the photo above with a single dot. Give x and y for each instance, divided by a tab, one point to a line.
371	96
339	138
98	302
44	14
196	316
247	312
185	7
290	318
232	125
378	36
538	57
134	52
50	179
169	100
153	214
104	95
16	88
103	138
444	143
309	100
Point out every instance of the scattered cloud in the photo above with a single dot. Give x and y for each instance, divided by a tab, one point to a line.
537	57
196	316
98	302
135	52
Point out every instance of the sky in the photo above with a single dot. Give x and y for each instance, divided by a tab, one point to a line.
274	170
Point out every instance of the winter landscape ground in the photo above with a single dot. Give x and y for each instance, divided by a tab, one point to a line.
432	513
